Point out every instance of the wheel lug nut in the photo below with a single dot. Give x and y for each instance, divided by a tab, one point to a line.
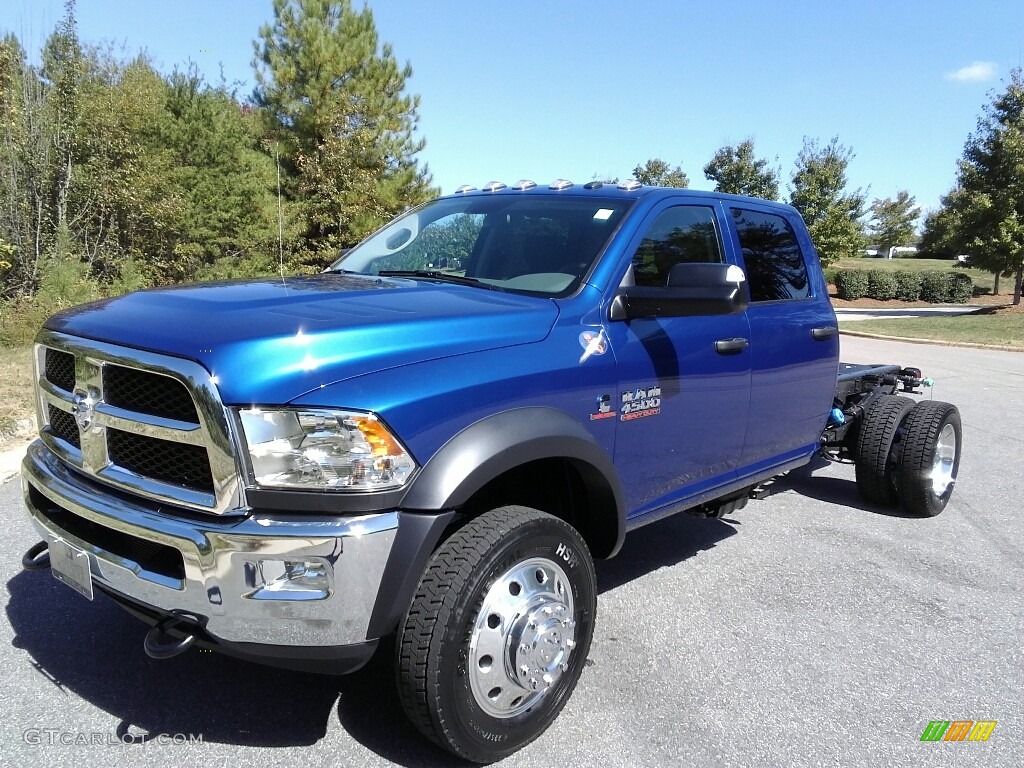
570	644
524	648
548	610
524	670
548	680
534	684
531	624
564	667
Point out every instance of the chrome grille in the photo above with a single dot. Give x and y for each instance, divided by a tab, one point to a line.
60	369
145	423
176	463
63	426
151	393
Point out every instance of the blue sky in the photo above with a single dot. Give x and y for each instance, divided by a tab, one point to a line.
574	89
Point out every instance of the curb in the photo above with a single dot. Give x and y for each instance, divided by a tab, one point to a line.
935	342
10	461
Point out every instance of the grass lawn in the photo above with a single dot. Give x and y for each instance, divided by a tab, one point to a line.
15	387
1001	327
983	281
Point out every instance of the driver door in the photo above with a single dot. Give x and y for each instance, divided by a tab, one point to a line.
683	403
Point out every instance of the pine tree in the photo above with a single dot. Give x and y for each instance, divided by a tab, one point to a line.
336	103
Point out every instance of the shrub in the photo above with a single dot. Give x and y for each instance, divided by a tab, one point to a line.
935	286
882	285
961	288
908	285
852	283
830	274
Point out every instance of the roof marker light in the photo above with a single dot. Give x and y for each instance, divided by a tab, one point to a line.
524	184
593	185
465	188
558	184
494	186
630	184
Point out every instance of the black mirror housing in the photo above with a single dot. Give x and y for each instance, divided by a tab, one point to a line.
693	290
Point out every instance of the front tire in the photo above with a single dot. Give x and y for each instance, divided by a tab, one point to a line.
497	634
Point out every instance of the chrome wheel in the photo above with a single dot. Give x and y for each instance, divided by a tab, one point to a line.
522	637
943	463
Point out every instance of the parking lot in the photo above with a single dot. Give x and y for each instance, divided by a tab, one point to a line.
808	629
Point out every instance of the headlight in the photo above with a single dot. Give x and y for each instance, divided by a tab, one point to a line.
324	450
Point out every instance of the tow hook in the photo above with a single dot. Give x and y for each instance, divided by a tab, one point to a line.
160	645
37	558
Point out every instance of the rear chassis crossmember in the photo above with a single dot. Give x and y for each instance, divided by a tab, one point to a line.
857	387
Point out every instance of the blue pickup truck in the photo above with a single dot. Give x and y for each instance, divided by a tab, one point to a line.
430	441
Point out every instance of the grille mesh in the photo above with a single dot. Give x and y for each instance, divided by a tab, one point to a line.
163	460
146	392
158	558
63	426
60	369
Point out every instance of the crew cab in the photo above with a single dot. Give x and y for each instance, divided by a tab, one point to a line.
433	439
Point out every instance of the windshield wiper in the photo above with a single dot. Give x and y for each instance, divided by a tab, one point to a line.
433	274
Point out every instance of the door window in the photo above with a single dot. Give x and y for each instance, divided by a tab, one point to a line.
683	234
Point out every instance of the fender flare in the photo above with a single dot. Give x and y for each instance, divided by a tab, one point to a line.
498	443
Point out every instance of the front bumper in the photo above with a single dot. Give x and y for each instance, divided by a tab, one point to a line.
154	560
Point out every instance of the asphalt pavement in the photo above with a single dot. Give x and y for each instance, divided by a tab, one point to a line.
809	629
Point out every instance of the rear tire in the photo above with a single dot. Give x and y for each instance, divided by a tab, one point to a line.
931	458
879	433
497	634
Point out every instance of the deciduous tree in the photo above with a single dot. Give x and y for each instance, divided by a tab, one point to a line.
736	170
657	173
893	221
833	215
986	214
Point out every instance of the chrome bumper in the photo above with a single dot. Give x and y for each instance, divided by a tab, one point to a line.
225	560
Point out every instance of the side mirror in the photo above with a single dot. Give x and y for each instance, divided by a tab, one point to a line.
693	290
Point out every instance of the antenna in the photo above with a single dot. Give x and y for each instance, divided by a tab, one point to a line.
280	210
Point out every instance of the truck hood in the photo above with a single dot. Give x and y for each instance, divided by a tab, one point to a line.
269	341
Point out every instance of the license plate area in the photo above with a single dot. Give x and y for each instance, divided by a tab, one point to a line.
70	565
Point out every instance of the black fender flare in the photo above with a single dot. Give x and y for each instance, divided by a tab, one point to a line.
500	442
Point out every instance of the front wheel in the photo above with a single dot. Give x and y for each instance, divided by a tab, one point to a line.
498	632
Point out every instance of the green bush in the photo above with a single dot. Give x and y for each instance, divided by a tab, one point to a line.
908	285
852	284
830	274
882	285
935	287
961	288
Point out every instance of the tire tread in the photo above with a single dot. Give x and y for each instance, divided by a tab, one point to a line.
874	442
448	571
924	421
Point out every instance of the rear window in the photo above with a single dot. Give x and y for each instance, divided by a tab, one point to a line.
775	265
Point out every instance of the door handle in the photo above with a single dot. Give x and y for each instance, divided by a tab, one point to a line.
824	332
731	346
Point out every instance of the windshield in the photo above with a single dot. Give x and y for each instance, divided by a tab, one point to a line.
540	244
